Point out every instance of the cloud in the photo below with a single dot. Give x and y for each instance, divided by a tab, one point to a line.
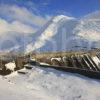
20	19
22	14
15	26
46	3
62	12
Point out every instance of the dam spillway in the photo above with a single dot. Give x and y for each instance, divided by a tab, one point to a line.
86	64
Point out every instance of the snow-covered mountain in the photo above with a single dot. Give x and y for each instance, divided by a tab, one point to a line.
59	34
52	36
68	33
89	27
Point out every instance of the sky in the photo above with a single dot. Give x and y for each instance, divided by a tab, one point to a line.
33	14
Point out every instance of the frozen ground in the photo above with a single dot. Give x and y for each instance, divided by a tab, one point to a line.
48	84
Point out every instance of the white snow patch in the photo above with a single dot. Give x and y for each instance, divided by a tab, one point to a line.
42	63
58	59
10	66
96	60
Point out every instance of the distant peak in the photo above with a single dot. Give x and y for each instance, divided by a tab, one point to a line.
93	15
59	17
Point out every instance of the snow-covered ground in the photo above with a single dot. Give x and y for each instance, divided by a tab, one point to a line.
48	84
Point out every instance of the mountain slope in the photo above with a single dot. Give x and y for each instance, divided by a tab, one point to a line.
68	33
89	26
54	31
61	33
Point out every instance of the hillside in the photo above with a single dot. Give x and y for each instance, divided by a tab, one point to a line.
60	33
68	33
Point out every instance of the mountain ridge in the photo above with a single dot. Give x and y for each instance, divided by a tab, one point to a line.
62	33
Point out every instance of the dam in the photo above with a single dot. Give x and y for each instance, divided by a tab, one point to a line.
85	63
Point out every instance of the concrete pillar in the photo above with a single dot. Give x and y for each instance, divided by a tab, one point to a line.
19	61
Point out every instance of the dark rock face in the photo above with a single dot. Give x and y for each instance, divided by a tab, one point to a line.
5	71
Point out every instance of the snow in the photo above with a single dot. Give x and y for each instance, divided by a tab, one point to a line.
48	84
87	27
58	31
42	63
58	59
66	33
10	66
48	32
60	17
96	60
